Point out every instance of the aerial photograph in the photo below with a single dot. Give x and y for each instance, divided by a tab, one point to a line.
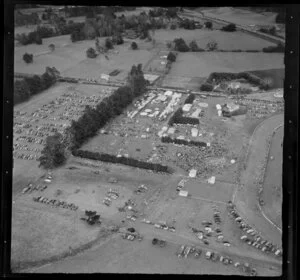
148	140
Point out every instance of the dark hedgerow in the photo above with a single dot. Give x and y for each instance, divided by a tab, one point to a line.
206	87
122	160
190	99
231	27
167	139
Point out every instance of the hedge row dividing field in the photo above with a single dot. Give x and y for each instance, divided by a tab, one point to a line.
167	139
122	160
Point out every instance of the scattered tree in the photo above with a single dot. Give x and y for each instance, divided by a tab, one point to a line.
212	46
180	45
208	24
134	45
193	46
28	58
109	44
91	53
231	27
171	57
53	154
51	47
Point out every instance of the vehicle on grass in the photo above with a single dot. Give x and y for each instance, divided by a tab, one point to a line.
159	242
180	251
198	253
25	190
186	251
172	229
237	264
226	243
205	241
206	223
208	255
214	256
131	229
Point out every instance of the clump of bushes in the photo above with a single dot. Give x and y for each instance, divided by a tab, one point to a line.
51	47
122	160
134	45
275	49
178	117
212	46
117	39
91	53
231	27
193	46
187	24
206	87
109	44
173	26
190	99
25	88
208	24
180	45
171	57
167	139
271	31
28	58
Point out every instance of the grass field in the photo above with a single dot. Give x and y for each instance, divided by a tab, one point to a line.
202	64
241	16
70	58
225	40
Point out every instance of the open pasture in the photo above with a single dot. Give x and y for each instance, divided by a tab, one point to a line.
70	58
226	40
203	64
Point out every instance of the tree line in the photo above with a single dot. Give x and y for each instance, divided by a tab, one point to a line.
168	139
178	118
122	160
29	86
93	119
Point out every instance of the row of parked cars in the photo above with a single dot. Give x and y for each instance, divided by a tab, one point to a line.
208	232
55	203
161	225
111	194
251	236
185	251
30	188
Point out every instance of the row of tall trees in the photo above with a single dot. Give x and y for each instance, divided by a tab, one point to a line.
29	86
93	119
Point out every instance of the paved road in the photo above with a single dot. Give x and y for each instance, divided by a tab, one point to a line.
246	196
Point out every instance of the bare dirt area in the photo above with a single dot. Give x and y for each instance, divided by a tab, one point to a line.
272	189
